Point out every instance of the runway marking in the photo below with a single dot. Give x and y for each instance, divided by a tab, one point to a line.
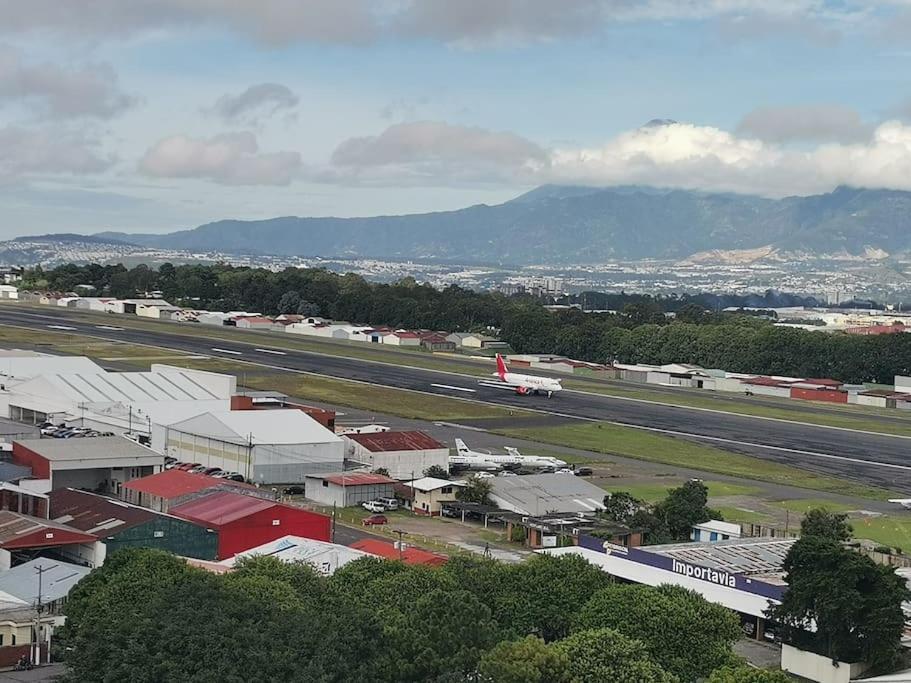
109	328
580	418
272	351
233	353
448	386
60	327
814	454
812	425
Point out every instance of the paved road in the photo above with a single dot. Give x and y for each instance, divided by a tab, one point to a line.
863	456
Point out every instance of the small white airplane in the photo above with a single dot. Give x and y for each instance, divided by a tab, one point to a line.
512	458
522	384
904	502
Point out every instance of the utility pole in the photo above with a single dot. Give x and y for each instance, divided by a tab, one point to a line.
36	658
400	533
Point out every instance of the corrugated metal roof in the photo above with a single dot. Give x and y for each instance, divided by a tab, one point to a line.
375	546
24	367
538	494
279	426
741	556
127	387
299	549
217	509
90	448
175	483
17	530
425	484
354	478
395	441
95	514
57	578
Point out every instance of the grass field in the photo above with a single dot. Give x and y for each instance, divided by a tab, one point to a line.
734	514
849	417
804	505
891	530
636	443
653	491
852	419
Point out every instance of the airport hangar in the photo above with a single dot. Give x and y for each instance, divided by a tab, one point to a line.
744	575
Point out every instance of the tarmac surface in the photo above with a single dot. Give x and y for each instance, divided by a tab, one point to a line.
869	457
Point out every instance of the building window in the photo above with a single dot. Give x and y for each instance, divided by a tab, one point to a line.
446	489
13	637
713	536
1	640
326	484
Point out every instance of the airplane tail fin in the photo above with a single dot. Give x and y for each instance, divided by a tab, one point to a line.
501	367
461	446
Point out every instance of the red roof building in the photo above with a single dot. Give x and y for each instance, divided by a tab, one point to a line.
876	329
243	522
403	455
22	535
161	491
395	441
375	546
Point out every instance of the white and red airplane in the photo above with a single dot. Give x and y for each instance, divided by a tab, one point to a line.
523	384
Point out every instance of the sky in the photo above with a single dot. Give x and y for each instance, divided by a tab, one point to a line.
159	115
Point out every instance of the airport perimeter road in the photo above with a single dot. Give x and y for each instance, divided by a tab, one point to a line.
872	457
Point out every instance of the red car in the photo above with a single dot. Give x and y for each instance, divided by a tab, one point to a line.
375	520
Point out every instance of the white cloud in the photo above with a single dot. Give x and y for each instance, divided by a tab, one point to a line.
432	151
90	90
706	158
27	152
263	99
229	159
814	123
465	22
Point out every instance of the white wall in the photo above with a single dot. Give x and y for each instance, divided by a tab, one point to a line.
817	668
875	401
400	464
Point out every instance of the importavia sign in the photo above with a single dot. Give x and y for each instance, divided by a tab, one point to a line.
718	577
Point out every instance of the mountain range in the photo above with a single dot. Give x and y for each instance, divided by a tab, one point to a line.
568	224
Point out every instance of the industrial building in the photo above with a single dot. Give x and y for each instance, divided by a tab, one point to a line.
115	401
102	463
744	575
121	525
541	494
404	455
324	557
345	489
244	522
23	538
174	487
265	446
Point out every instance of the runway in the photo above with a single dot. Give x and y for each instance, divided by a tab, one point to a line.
872	458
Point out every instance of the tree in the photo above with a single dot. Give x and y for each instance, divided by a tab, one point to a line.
621	506
821	523
476	490
289	302
684	633
747	674
529	660
437	472
606	655
854	604
684	507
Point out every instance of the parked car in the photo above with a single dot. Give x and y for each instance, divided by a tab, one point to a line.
211	470
484	475
373	506
388	503
235	476
375	520
199	469
172	465
294	491
187	466
583	471
564	470
508	474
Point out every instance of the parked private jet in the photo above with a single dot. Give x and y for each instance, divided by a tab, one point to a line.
904	502
522	384
512	458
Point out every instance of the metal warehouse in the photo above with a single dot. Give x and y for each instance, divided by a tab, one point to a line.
265	446
243	522
404	455
744	575
121	525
